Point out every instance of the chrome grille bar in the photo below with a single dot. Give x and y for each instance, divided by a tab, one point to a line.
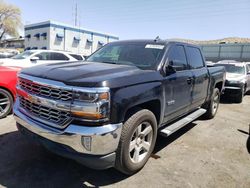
57	118
45	91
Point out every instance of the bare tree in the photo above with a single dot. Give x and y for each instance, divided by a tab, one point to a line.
10	20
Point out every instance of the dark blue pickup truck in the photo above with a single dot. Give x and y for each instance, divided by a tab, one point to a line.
108	110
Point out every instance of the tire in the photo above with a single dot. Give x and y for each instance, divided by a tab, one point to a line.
6	103
135	149
239	97
213	105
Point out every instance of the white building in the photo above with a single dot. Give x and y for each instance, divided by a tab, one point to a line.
57	36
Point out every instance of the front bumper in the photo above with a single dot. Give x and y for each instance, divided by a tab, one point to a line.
233	90
84	140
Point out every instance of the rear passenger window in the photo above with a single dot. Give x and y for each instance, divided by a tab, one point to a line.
58	56
195	58
177	58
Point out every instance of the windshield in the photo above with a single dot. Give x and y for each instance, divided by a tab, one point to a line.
233	68
141	55
23	55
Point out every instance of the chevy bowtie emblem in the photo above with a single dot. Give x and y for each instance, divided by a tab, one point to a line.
33	99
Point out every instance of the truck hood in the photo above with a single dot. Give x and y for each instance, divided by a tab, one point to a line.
234	77
93	74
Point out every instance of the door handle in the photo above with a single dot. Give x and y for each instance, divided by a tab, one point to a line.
190	80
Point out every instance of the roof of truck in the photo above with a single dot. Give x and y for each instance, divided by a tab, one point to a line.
156	41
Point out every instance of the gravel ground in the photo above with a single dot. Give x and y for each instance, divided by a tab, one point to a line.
203	154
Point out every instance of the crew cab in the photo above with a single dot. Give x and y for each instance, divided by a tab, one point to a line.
107	111
237	79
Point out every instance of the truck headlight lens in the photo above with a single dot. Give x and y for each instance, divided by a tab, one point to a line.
91	106
90	97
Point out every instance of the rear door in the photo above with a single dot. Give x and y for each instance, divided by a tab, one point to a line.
200	76
177	85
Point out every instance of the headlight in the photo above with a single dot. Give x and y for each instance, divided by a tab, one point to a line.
90	97
94	105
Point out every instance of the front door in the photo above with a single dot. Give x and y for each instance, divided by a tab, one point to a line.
178	85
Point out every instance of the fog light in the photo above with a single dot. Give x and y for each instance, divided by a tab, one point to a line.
86	142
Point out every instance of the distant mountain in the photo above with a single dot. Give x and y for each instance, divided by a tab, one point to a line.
218	41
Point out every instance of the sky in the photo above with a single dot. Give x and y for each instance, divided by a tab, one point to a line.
146	19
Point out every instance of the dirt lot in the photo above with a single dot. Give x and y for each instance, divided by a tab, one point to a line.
203	154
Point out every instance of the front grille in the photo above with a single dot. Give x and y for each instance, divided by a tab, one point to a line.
56	118
45	91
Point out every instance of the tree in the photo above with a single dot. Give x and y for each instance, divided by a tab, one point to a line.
10	20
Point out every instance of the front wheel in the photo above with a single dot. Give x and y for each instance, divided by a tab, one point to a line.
213	104
6	103
137	142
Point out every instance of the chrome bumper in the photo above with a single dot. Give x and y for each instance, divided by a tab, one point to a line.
233	88
100	140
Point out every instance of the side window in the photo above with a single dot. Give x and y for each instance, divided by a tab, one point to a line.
195	58
58	56
177	58
43	56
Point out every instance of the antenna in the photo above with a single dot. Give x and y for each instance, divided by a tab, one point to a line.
157	39
76	15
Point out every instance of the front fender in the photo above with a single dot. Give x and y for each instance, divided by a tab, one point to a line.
125	98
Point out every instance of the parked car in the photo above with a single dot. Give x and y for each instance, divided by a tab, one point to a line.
237	79
6	55
36	57
108	111
8	79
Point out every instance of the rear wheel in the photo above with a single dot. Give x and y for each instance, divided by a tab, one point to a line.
213	104
6	103
137	142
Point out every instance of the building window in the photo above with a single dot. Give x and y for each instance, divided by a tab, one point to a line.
77	39
44	35
89	41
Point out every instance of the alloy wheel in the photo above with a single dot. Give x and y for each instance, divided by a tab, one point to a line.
4	103
140	142
216	101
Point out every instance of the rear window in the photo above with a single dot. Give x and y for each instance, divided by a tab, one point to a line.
78	57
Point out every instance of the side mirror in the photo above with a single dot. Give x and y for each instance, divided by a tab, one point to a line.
33	59
169	69
174	66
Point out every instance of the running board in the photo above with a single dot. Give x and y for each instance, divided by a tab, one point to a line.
182	122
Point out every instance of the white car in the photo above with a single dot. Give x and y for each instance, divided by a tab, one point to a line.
36	57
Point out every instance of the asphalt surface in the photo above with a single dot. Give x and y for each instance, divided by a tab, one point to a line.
205	153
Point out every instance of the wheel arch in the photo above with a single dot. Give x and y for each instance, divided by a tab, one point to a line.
153	105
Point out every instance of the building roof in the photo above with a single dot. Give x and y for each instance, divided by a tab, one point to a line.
51	23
